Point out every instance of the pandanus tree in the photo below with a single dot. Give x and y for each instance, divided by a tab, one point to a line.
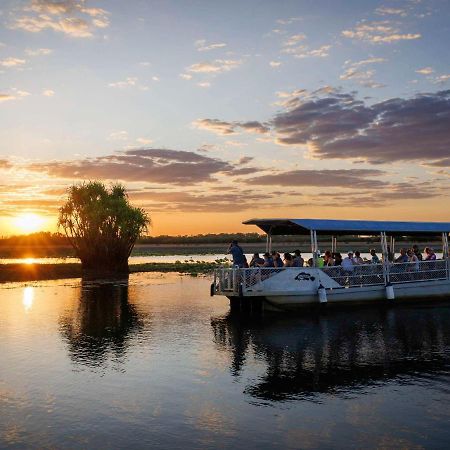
102	226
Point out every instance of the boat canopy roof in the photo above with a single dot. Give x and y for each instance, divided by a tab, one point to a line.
346	227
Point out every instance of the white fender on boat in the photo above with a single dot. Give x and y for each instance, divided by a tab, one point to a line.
322	294
390	294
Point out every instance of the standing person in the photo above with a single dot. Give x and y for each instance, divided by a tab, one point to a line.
237	253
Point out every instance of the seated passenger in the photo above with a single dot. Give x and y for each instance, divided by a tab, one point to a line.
288	260
357	260
256	260
416	251
403	258
268	261
414	260
337	259
319	260
374	257
430	255
277	261
310	262
347	263
328	259
298	261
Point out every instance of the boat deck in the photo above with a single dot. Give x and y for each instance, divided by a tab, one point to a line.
265	281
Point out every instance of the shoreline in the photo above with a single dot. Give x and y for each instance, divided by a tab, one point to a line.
39	272
49	251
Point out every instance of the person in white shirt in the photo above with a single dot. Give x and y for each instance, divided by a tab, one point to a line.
347	263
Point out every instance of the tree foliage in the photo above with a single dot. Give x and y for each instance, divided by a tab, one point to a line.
101	225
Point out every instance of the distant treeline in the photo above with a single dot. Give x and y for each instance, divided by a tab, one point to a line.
39	239
47	239
57	239
220	238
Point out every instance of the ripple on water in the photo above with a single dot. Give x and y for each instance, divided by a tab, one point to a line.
156	362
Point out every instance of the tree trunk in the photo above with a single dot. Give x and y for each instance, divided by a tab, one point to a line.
104	268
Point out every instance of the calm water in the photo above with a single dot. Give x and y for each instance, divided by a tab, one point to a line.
159	364
211	257
132	260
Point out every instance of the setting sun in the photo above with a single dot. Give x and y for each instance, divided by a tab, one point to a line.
29	222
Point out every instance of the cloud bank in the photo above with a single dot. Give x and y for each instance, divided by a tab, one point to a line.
144	165
70	17
341	126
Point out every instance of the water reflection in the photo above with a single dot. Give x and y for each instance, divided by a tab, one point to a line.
102	324
28	298
340	353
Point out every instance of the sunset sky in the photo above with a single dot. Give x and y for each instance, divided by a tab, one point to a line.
212	112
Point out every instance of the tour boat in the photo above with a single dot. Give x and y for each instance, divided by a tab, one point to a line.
289	288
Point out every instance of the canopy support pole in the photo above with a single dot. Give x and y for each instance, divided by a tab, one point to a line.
392	245
314	247
445	254
385	251
268	243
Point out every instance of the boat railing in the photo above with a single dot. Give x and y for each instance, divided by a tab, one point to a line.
236	280
373	274
358	275
418	271
227	279
254	276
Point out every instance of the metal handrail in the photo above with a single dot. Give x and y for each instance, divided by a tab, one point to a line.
232	279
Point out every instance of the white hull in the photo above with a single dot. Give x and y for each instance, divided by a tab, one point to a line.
292	288
363	295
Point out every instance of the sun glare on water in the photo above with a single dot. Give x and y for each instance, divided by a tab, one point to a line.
28	223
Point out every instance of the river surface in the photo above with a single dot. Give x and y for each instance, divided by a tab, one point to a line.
208	257
157	363
132	260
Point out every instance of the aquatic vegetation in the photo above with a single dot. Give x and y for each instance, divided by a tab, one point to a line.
32	272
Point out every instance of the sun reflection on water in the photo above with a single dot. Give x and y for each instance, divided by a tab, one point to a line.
28	298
